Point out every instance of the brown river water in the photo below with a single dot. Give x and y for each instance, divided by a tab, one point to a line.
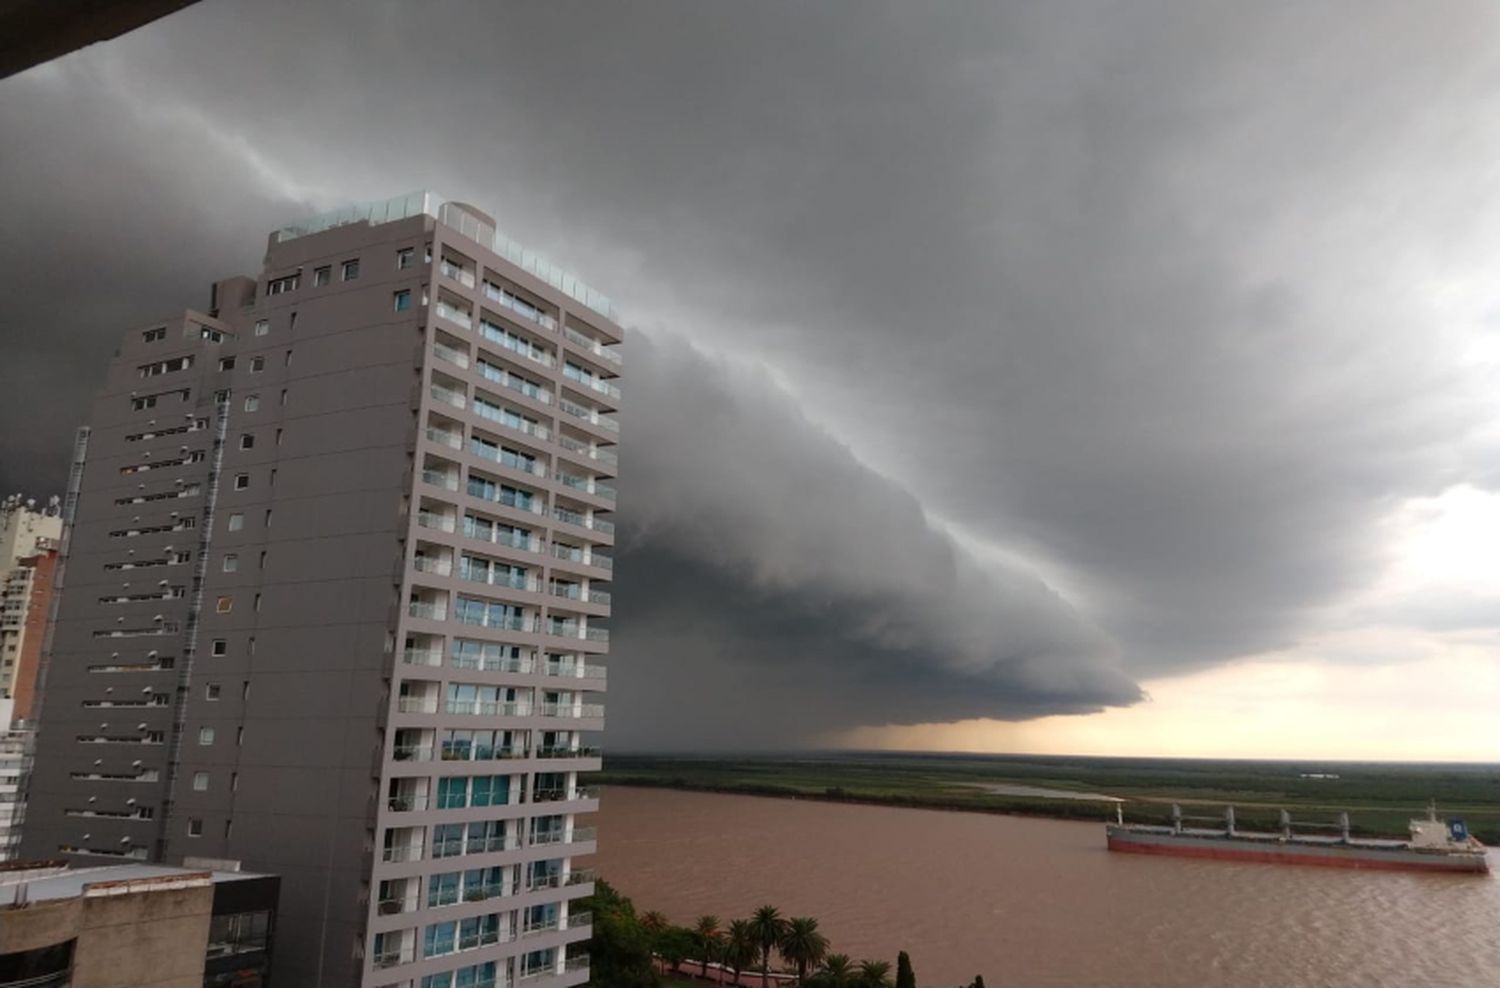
1041	902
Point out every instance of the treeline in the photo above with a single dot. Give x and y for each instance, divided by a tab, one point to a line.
626	947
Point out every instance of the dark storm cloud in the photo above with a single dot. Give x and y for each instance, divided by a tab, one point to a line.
1131	290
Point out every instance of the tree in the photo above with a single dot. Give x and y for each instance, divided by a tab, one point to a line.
706	934
619	950
770	930
653	922
875	974
675	944
978	981
741	947
804	946
905	976
839	969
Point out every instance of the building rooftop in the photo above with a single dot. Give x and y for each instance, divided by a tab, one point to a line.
50	882
467	222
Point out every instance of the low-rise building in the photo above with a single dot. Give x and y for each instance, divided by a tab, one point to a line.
134	926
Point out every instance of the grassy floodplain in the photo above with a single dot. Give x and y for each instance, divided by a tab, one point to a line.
1380	797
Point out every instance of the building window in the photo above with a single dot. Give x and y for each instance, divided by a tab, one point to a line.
350	270
220	647
242	482
211	691
225	605
257	364
278	437
280	286
404	258
252	403
226	363
322	276
200	782
283	397
247	441
262	327
236	522
231	562
195	827
205	736
402	300
210	335
152	335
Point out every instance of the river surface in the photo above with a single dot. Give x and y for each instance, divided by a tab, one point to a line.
1041	902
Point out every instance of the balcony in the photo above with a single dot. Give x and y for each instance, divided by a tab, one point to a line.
409	803
588	415
488	708
574	670
586	484
591	382
592	346
412	753
417	704
405	852
564	752
448	396
427	611
520	385
516	344
506	458
446	353
454	314
521	307
422	656
482	664
452	440
583	449
457	273
589	711
436	522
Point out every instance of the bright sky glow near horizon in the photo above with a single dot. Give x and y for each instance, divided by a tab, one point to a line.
1025	378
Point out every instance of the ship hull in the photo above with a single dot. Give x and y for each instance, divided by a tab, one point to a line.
1273	850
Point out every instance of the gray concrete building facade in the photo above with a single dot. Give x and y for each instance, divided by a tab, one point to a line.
332	598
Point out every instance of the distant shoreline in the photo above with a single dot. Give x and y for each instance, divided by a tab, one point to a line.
1076	811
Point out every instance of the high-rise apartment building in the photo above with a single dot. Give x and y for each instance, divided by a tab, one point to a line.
332	595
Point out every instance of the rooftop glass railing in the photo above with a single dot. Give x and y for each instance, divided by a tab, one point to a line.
466	223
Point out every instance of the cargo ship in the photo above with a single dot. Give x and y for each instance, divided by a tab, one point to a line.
1433	845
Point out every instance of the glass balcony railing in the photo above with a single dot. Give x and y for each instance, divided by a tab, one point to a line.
451	439
454	314
457	273
455	357
591	345
422	657
438	478
515	344
521	307
448	396
520	385
480	663
426	611
417	704
437	522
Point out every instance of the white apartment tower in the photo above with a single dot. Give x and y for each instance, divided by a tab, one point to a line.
334	595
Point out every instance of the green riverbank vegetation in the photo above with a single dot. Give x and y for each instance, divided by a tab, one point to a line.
645	950
1379	797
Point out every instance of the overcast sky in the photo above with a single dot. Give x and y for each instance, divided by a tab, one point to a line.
1058	377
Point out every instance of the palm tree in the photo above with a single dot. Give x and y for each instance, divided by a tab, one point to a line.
802	944
706	932
875	974
741	947
839	969
770	930
653	922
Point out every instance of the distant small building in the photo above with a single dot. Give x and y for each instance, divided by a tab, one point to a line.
134	926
